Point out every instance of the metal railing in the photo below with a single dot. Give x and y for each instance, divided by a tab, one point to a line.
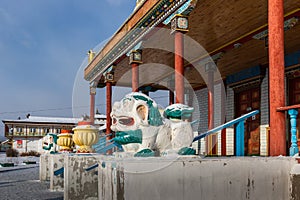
240	129
293	112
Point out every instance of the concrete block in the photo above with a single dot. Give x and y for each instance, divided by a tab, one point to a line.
295	182
79	183
196	178
44	167
56	163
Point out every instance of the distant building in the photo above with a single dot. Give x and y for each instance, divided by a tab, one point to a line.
26	134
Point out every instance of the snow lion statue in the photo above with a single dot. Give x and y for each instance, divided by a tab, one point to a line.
141	128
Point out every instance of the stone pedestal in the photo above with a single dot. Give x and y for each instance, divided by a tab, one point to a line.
196	178
44	167
295	182
56	162
78	182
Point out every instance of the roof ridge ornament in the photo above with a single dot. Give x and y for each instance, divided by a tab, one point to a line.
139	3
185	9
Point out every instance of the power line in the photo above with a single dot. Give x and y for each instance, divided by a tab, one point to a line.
63	108
48	109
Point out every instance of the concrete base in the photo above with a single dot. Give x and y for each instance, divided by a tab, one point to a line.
44	167
196	178
295	182
79	183
56	161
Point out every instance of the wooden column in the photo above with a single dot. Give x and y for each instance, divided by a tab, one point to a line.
92	104
171	97
91	55
276	78
179	68
223	132
108	108
179	25
211	139
135	59
135	77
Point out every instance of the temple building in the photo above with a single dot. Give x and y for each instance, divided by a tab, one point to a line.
224	58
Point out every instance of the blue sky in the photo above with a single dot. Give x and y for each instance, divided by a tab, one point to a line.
43	44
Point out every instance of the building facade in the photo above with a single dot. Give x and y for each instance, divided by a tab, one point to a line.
26	134
230	58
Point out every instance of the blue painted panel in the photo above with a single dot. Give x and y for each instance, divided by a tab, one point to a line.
292	59
244	74
59	171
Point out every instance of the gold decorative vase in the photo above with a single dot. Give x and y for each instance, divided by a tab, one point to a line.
85	136
65	141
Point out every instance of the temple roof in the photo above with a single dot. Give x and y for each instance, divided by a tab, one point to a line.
231	32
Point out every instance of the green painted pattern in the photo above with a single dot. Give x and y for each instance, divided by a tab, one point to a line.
187	151
127	137
145	153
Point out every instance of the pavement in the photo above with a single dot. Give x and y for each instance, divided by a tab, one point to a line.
22	182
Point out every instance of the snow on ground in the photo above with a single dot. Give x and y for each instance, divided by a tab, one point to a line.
17	160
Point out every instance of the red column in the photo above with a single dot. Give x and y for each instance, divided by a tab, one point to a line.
223	132
211	140
171	97
92	104
135	77
179	68
276	78
108	108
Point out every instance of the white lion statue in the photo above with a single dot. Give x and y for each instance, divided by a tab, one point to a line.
140	127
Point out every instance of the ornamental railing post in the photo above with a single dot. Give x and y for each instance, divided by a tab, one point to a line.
240	129
293	119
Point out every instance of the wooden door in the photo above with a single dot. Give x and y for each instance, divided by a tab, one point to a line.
247	101
293	99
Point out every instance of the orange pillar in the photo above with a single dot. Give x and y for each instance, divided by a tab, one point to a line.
92	104
276	78
171	97
135	59
108	108
135	77
179	68
212	139
223	132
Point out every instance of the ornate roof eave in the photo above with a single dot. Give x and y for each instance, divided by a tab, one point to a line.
159	11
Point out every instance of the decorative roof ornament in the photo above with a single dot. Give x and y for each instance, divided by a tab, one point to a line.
139	3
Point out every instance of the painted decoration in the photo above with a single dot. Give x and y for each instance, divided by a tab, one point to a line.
50	143
140	127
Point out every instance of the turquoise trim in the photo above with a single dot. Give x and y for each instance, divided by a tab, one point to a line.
128	137
145	153
184	112
293	120
239	141
48	148
187	151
